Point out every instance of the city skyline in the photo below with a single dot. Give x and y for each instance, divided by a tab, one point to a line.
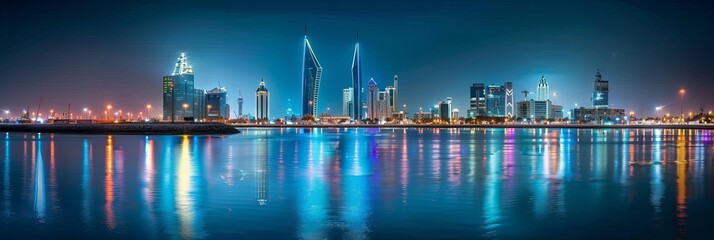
105	67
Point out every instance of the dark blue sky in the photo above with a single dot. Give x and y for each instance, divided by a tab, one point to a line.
89	53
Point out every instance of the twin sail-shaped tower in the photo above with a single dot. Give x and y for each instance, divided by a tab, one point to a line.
312	73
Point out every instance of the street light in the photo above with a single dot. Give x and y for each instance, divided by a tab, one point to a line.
7	114
148	111
109	109
310	106
85	112
185	106
681	109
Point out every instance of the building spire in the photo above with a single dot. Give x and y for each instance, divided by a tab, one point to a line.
182	66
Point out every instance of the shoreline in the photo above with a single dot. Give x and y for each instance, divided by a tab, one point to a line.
571	126
125	128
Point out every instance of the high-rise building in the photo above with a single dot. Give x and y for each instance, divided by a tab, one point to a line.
383	104
372	99
477	101
199	104
262	110
311	74
534	110
509	100
556	111
240	104
216	106
356	110
495	101
178	91
492	100
543	91
455	113
601	91
347	103
393	95
445	110
600	111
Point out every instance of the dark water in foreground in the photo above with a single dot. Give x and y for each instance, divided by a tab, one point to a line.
360	183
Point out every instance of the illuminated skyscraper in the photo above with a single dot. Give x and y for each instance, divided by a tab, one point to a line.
199	104
178	89
492	100
311	74
509	100
240	104
393	95
601	91
445	110
356	84
477	100
543	90
216	106
383	99
347	103
495	101
372	99
262	110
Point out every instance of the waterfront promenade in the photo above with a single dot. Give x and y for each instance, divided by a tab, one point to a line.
575	126
124	128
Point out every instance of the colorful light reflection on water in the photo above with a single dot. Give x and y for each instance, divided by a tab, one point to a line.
361	183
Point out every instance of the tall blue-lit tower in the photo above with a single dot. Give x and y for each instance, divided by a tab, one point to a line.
357	83
311	74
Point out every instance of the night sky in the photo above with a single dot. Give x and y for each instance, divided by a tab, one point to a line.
90	53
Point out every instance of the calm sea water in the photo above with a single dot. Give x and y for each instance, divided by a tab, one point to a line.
360	183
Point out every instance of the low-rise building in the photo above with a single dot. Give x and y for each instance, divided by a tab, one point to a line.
598	115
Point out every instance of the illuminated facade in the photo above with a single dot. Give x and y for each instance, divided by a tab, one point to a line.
393	95
444	110
372	99
534	110
510	108
601	91
385	110
216	106
556	111
347	103
543	91
199	104
262	109
311	74
491	100
178	89
240	104
495	101
356	99
598	115
478	100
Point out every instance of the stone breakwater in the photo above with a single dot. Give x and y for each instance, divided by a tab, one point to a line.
124	128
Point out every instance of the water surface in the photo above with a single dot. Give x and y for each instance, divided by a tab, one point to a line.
360	183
